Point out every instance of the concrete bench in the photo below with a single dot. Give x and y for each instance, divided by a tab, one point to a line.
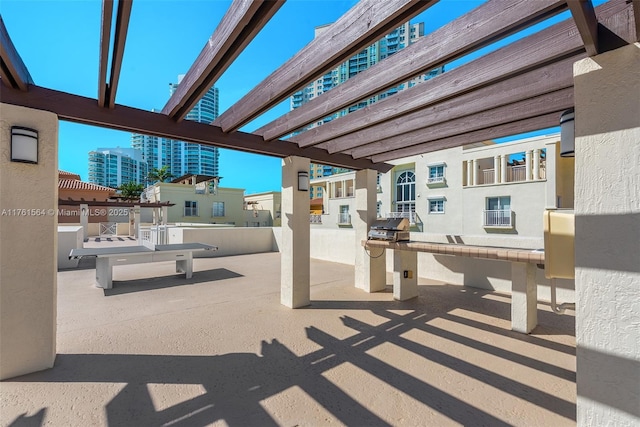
106	258
524	291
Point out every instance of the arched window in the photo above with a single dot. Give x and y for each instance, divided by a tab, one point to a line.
406	193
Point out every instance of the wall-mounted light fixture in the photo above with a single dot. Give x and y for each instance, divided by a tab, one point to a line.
24	145
303	181
567	133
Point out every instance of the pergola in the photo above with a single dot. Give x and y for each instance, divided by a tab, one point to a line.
520	87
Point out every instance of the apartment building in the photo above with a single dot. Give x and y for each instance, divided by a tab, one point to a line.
484	194
112	167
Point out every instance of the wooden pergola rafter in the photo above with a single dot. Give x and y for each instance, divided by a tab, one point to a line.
536	82
491	21
12	70
107	90
362	25
238	27
541	50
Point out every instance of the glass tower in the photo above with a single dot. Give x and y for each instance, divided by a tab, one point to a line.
183	157
112	167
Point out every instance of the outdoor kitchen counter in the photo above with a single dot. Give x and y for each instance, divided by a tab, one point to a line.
489	252
524	290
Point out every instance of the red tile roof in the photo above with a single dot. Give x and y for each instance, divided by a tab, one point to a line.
68	175
74	184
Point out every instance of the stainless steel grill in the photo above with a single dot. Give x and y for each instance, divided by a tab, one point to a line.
390	229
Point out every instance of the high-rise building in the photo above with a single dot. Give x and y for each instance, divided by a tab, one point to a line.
183	157
190	158
396	40
155	151
112	167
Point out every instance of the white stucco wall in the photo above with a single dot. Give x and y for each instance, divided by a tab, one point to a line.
69	237
28	246
607	237
230	241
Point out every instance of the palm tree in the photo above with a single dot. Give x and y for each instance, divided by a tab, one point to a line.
160	175
131	190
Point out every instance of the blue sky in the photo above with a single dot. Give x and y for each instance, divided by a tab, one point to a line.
59	39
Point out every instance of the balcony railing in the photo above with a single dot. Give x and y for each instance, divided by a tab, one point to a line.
516	173
190	211
488	176
435	179
411	216
497	218
344	218
315	219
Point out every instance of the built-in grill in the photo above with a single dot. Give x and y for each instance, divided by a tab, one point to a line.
390	229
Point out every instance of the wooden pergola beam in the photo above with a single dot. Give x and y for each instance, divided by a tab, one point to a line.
585	18
636	17
540	49
12	70
105	39
362	25
554	102
84	110
242	22
489	22
537	82
507	129
120	37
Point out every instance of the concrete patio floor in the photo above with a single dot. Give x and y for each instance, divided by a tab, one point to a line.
219	349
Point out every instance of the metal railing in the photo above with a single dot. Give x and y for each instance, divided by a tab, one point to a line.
516	173
488	176
344	218
497	218
411	216
157	235
315	219
191	211
435	179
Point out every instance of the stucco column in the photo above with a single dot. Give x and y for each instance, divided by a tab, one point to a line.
536	164
28	246
325	198
165	212
475	171
551	192
294	266
469	174
496	169
135	229
527	163
370	272
524	297
84	221
607	237
503	168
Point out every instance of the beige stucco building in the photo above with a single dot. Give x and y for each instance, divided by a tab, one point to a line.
459	196
197	199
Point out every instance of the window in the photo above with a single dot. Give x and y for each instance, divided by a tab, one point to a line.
406	194
218	208
344	217
190	208
498	212
436	205
436	174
